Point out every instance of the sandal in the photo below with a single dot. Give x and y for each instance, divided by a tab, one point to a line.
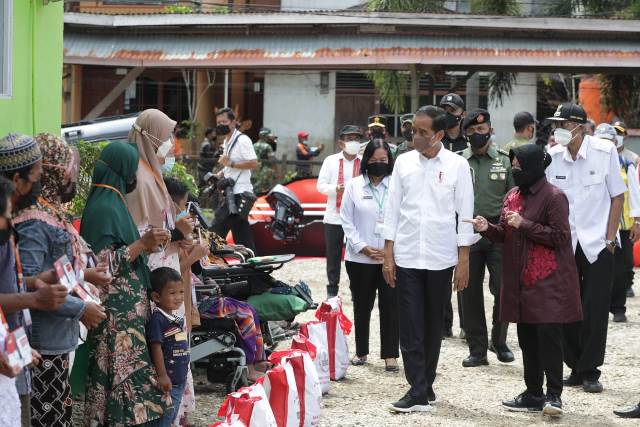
356	361
394	367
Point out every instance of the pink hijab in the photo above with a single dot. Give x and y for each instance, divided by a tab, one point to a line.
149	202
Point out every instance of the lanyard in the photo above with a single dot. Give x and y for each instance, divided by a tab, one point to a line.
108	187
20	277
380	202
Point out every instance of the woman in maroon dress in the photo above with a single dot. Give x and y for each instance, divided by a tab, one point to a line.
540	290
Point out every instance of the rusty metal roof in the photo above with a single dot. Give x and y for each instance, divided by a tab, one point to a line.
336	51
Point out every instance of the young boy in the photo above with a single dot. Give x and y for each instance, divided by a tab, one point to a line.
167	337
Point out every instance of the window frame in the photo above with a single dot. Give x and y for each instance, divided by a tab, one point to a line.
6	82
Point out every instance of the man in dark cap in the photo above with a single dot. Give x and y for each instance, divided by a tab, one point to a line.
406	122
264	176
453	140
587	170
20	169
525	126
337	170
492	179
264	146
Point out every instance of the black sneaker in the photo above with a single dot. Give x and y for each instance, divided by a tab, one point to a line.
619	318
431	396
410	404
572	380
524	402
552	405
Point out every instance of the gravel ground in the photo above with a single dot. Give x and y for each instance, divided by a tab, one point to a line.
466	396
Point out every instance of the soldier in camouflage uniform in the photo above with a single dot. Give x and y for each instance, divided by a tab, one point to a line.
492	179
406	121
264	176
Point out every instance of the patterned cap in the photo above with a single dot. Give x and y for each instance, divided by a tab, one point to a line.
18	151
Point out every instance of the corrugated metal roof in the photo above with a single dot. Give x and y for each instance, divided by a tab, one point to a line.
367	51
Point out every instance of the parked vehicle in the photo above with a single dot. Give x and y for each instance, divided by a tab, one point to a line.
114	128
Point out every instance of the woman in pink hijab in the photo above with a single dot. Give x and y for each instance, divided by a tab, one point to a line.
151	205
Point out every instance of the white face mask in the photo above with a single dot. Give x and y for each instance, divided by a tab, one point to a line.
562	136
619	141
169	162
164	148
352	148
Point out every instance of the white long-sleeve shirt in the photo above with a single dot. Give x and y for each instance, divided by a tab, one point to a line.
363	205
424	197
328	181
590	182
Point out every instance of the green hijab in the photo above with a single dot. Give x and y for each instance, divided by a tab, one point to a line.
106	221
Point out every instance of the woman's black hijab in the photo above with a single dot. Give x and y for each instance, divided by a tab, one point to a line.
533	160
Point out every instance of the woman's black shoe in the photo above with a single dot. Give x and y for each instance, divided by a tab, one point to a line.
525	402
572	380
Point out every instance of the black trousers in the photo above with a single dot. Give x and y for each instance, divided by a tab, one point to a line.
422	295
585	341
541	346
484	254
334	238
364	281
623	277
240	229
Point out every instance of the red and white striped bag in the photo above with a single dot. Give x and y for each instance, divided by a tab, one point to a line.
316	335
338	327
309	393
247	407
280	386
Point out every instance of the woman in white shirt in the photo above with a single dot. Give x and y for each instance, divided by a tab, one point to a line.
362	214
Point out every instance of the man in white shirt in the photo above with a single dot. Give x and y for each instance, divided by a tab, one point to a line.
424	241
588	171
336	171
238	159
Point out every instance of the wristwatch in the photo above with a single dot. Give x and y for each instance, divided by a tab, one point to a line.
611	243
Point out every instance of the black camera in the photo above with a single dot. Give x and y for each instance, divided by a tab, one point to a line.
226	186
288	213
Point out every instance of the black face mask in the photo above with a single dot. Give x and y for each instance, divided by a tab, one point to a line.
68	193
30	198
478	140
523	179
453	121
378	169
407	134
131	185
5	234
223	129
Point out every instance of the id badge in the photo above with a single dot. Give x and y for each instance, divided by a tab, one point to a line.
379	228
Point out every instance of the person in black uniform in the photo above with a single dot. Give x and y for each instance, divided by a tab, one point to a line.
455	141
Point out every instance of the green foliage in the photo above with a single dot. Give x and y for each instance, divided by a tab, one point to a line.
415	6
289	177
621	95
501	86
89	155
392	88
181	173
625	9
178	9
189	129
496	7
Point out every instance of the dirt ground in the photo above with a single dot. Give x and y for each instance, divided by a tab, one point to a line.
466	396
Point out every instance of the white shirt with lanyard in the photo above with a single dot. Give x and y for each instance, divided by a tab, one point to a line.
362	213
239	148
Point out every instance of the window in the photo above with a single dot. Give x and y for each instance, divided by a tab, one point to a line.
5	47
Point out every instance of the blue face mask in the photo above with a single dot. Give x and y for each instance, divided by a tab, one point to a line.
169	162
182	214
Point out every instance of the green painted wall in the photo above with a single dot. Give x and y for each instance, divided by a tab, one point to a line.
35	104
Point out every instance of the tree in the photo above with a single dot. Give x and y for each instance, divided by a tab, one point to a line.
620	94
415	6
495	7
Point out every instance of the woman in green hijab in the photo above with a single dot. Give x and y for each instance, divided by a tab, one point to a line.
119	377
